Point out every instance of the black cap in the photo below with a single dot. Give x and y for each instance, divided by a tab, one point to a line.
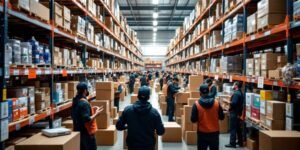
175	78
144	92
82	86
204	89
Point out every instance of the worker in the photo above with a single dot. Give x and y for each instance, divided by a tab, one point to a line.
118	91
83	116
131	82
212	88
161	82
143	81
235	113
173	88
207	112
142	122
185	81
149	76
157	74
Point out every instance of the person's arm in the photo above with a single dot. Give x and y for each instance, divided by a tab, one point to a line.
122	121
221	113
194	116
159	126
85	112
213	92
119	89
234	101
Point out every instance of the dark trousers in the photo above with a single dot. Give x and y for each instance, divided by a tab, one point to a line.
235	129
141	148
170	109
116	103
131	87
87	142
208	140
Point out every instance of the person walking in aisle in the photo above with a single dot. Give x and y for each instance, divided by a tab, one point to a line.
83	116
143	81
235	113
207	112
157	74
118	91
131	82
142	122
212	88
173	88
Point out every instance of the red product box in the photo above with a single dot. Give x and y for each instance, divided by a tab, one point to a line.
16	115
255	113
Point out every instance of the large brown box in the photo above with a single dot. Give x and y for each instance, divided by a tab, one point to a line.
39	10
39	141
270	19
103	121
24	4
195	82
172	132
270	6
105	95
66	13
190	137
275	74
251	23
268	61
104	85
68	124
102	103
114	112
275	110
72	85
252	144
224	124
182	97
106	137
191	101
279	140
195	94
275	124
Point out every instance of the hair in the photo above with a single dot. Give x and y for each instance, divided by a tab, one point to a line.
80	91
238	84
175	79
208	81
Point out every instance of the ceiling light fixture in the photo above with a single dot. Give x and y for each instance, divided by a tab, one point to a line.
154	34
154	29
154	39
155	15
155	2
155	23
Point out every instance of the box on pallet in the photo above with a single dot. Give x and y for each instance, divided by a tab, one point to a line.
172	132
278	140
106	137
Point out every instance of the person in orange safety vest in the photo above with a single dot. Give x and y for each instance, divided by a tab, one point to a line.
207	112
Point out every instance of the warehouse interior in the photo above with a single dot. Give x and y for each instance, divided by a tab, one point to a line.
150	74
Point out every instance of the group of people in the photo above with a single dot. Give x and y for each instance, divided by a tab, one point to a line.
142	121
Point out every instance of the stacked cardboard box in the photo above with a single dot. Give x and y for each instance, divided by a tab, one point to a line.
265	95
257	67
17	103
24	4
58	17
72	89
172	132
103	120
195	82
189	129
106	137
66	18
231	64
278	140
105	91
267	63
270	12
277	73
275	119
39	10
252	23
78	25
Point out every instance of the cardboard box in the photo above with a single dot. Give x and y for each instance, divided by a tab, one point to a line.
275	74
103	121
265	95
102	103
66	13
172	132
178	120
255	113
136	90
133	98
195	82
278	140
71	94
105	95
190	137
39	10
114	112
24	4
72	85
104	85
68	124
115	120
195	95
276	110
224	124
251	23
252	144
182	97
263	119
106	137
249	99
263	108
289	124
163	108
270	19
275	124
191	101
39	141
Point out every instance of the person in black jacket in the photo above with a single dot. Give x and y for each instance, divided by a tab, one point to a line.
142	122
118	92
173	88
131	82
212	88
235	112
143	81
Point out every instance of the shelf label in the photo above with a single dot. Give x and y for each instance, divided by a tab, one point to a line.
216	77
275	83
252	37
76	39
31	120
18	126
16	72
260	82
64	73
267	33
230	78
32	73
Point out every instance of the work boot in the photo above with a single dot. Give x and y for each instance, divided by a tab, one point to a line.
230	146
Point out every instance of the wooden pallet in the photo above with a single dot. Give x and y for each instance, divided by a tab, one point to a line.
265	28
44	66
22	66
264	127
21	9
41	111
59	67
79	35
253	121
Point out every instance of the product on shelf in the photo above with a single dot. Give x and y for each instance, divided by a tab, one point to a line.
39	10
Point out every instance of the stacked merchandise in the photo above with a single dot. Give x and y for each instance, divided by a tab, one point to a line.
252	23
296	9
72	89
234	28
18	103
267	63
231	64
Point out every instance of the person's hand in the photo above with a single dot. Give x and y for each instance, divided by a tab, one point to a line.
99	110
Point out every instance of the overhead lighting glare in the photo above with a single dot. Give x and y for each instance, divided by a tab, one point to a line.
154	34
155	2
154	39
154	29
155	15
155	22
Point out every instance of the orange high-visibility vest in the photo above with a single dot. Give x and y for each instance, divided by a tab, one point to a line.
208	118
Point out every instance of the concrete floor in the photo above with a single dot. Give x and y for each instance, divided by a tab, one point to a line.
224	138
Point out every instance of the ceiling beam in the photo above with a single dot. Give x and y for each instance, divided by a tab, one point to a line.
160	24
159	8
151	19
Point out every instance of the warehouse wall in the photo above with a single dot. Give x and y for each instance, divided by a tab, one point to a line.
155	52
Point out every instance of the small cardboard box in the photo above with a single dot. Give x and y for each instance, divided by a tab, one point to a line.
276	110
190	137
195	95
279	140
103	121
133	98
252	144
275	124
182	97
39	141
105	95
114	112
195	82
106	137
104	85
191	101
172	132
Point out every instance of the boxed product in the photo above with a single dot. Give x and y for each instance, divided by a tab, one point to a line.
256	101
40	141
39	10
191	101
275	124
172	132
270	19
251	23
24	4
195	95
275	74
263	107
275	110
104	85
267	61
265	7
252	144
249	99
182	97
78	25
102	103
255	113
195	82
190	137
107	137
265	95
105	95
278	140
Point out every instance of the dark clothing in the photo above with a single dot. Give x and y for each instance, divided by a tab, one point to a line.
117	97
207	140
172	89
131	83
149	76
161	83
81	112
143	81
210	141
213	91
142	122
157	74
236	110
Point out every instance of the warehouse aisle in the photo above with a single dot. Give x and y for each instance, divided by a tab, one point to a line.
224	138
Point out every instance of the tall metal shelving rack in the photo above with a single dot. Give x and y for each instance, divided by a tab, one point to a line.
52	34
